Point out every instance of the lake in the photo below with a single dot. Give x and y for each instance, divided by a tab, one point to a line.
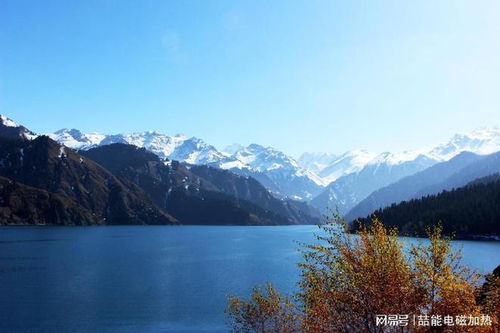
150	278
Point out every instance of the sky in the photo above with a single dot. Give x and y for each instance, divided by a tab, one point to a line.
296	75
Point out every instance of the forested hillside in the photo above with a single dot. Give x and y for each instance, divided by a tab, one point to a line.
468	211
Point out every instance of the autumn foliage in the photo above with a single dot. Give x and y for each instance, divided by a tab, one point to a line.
347	280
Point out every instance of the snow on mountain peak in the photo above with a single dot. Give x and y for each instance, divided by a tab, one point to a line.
233	148
329	166
262	158
196	151
320	168
392	159
483	140
75	139
316	162
7	121
9	128
485	132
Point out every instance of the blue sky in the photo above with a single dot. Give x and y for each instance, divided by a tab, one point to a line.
296	75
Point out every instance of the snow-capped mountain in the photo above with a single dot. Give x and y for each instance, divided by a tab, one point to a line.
278	172
231	149
330	167
182	148
303	179
190	150
387	168
9	128
345	192
349	162
482	141
327	180
315	162
458	171
262	158
75	139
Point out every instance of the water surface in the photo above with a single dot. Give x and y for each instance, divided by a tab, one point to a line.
149	278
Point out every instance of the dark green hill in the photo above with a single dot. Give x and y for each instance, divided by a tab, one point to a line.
469	212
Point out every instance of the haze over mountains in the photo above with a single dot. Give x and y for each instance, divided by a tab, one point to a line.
355	182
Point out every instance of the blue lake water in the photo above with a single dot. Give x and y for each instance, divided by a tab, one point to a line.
150	278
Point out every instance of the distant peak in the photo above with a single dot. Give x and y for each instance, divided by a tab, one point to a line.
485	131
71	131
356	152
233	148
256	146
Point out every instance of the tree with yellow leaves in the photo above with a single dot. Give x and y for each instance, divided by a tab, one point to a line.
349	279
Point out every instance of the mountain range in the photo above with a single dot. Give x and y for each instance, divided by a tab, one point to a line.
200	194
454	173
280	173
313	177
354	182
45	182
386	168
